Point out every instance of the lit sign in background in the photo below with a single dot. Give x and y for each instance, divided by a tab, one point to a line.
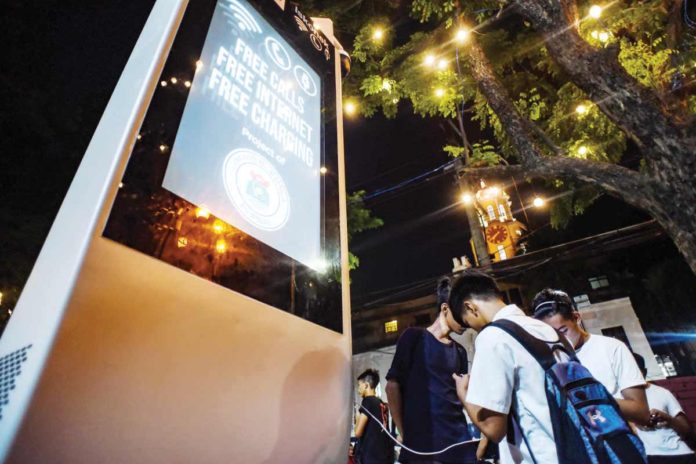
248	147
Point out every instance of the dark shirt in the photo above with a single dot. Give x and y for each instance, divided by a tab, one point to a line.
375	446
433	416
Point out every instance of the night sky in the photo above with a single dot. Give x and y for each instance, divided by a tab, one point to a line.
62	61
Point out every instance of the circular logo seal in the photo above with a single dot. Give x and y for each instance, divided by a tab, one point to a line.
256	189
276	52
305	81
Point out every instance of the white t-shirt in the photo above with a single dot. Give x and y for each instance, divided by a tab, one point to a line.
501	368
662	441
611	363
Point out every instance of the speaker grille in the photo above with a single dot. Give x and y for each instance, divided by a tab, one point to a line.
10	368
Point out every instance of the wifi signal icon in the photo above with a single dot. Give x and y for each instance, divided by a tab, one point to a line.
243	19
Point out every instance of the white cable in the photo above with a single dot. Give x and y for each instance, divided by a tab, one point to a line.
420	453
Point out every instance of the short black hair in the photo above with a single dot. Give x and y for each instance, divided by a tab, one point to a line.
371	376
641	363
469	284
443	291
550	302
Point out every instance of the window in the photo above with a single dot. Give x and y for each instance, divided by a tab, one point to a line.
491	212
503	214
391	326
501	252
598	282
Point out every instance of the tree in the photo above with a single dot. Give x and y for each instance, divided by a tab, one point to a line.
603	97
360	218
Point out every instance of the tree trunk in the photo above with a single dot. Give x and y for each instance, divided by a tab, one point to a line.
634	108
672	203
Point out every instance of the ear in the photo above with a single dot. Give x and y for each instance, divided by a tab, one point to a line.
577	317
444	307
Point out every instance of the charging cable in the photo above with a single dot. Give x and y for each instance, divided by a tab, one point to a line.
420	453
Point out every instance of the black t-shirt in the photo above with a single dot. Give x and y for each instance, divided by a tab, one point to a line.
375	446
433	416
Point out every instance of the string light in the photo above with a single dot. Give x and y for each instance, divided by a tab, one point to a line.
140	136
581	109
439	92
582	150
218	226
594	34
429	60
466	198
350	108
202	212
163	148
323	170
603	36
174	80
462	35
538	202
442	64
386	85
378	34
595	11
220	246
163	83
187	84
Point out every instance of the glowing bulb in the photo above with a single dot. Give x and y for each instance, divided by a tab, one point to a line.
378	34
187	84
581	109
202	212
163	148
466	198
442	64
350	108
220	246
462	35
182	242
603	36
595	11
594	34
174	80
538	202
140	136
323	170
386	85
582	150
439	92
429	60
218	226
163	83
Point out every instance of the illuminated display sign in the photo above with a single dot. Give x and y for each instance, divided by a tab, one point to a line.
248	147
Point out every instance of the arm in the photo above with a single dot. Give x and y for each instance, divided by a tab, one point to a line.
634	406
481	449
678	423
360	425
492	424
396	407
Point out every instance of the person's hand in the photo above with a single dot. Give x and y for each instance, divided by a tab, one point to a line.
481	449
462	383
659	418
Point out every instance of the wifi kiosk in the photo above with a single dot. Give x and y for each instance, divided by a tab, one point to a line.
190	303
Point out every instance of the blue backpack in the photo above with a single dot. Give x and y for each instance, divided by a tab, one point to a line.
587	424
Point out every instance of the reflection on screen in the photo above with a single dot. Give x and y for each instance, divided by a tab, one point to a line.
223	181
248	146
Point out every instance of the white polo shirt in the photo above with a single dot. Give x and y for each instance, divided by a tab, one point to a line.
501	368
611	363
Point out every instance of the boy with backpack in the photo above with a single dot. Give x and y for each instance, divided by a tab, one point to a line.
374	445
609	360
528	392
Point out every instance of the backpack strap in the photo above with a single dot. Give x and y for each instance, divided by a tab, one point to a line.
539	349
